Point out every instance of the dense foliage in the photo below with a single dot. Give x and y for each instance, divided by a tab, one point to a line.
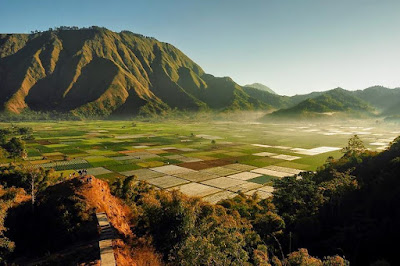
349	206
11	141
9	197
57	217
187	231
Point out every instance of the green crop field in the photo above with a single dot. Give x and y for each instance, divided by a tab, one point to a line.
192	151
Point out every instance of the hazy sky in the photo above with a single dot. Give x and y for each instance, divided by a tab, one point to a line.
292	46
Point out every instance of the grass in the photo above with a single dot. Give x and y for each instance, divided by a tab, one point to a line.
70	151
110	177
294	165
265	179
258	162
122	167
44	149
55	146
150	164
65	173
105	163
33	152
72	166
47	154
317	160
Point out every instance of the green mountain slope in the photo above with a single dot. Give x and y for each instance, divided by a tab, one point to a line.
333	102
261	87
382	98
298	98
99	72
273	100
393	110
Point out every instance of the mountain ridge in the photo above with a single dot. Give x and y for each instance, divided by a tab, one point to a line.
332	102
95	72
261	87
99	72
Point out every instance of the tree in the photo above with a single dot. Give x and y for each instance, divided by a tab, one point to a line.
24	130
297	198
188	231
268	223
301	257
3	153
355	146
16	148
33	174
3	136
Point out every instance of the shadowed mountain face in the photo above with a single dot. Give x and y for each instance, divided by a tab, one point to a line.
99	72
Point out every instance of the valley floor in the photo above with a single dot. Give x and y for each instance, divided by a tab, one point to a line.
212	160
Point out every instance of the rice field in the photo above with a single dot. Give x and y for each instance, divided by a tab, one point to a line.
213	160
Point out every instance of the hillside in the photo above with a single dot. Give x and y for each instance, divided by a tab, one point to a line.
346	206
298	98
98	72
393	110
380	97
65	228
272	100
334	102
261	87
94	72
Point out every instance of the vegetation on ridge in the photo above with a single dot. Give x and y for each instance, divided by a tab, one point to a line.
334	101
97	72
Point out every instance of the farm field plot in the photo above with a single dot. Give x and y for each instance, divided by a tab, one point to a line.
223	182
198	190
244	176
214	198
213	160
167	181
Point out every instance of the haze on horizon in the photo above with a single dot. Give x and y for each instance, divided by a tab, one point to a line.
294	47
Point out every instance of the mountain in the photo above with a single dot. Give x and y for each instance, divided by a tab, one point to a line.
333	102
261	87
393	110
273	101
385	99
94	71
298	98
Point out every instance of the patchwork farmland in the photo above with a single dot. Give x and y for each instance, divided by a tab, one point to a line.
213	160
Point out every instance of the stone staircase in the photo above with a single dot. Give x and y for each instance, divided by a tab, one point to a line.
107	234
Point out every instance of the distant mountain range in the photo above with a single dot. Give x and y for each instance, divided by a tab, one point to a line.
261	87
374	101
97	72
330	103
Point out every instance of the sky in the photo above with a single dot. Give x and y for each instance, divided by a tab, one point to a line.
292	46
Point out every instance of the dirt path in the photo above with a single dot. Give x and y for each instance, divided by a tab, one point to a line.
106	236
